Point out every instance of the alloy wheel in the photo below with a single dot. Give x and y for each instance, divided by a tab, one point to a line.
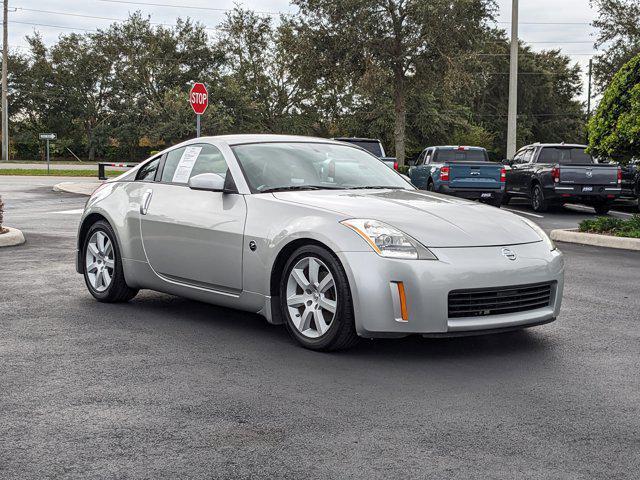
311	297
100	261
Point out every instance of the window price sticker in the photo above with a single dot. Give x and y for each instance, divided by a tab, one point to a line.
185	165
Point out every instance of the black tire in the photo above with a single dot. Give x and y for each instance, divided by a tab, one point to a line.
118	290
431	186
496	202
538	202
341	333
602	208
506	198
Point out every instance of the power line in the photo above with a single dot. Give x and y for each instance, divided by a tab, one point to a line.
52	26
192	7
99	18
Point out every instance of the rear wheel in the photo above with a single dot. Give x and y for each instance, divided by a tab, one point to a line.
430	186
602	208
316	300
496	202
103	271
538	202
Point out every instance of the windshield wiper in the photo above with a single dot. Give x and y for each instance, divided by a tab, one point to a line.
299	187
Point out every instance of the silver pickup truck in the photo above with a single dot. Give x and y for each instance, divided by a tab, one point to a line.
557	173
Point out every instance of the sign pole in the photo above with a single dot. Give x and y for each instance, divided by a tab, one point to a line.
199	99
48	165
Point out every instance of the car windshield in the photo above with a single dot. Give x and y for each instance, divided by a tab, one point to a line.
313	166
456	155
564	156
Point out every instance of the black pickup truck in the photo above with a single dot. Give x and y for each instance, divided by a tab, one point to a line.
557	173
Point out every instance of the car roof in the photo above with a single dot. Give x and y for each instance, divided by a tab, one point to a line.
455	147
357	139
264	138
569	145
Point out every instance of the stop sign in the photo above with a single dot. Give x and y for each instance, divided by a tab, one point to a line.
199	98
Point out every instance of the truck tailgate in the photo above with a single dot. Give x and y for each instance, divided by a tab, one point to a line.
589	174
477	175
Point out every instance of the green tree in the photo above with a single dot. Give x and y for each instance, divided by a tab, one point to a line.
398	40
618	23
614	130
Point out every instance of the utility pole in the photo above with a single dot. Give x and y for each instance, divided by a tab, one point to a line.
5	103
589	99
512	119
589	89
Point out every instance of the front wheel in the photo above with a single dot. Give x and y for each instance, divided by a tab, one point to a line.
538	202
103	271
316	300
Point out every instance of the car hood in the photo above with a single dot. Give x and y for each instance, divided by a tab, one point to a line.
434	220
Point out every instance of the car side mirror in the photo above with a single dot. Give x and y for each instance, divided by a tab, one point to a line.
211	182
507	162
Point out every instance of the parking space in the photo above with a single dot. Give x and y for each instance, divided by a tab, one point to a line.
167	387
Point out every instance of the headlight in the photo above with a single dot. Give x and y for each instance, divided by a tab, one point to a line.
541	233
388	241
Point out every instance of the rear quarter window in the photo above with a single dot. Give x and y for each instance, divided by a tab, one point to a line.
148	171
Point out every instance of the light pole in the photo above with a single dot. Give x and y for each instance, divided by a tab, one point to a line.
512	119
5	103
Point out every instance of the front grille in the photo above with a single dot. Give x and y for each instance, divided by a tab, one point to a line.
479	302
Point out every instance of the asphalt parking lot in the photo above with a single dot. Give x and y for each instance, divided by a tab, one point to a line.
164	387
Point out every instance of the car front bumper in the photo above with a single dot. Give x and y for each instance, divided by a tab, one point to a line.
427	283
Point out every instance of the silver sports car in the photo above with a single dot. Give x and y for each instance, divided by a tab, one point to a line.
318	235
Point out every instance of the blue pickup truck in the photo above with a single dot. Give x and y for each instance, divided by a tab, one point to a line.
460	171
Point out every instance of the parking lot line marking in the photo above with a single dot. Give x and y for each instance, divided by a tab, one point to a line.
77	211
523	213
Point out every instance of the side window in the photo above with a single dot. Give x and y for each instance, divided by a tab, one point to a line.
427	158
518	157
183	163
148	171
526	158
420	159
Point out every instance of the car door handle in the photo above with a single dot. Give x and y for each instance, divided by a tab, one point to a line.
146	200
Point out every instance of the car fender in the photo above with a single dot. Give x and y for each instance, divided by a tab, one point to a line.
288	222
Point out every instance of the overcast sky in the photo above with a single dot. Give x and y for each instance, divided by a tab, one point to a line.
575	36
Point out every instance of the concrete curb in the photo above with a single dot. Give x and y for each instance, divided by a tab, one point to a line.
574	236
84	188
12	238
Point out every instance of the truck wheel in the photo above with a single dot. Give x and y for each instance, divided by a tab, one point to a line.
602	208
430	186
495	202
538	202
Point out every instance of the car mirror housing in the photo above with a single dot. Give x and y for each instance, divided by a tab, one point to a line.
207	181
506	161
